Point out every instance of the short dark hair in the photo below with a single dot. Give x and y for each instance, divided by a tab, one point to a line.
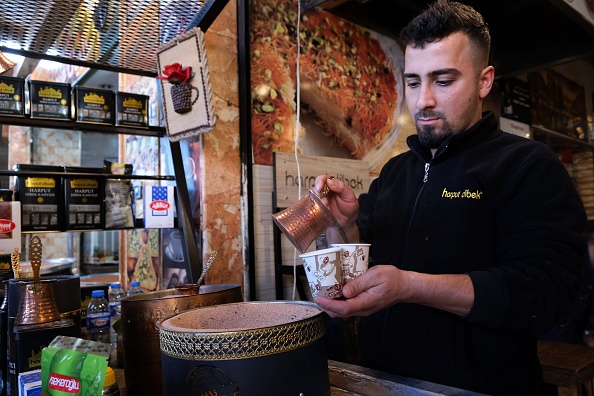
443	18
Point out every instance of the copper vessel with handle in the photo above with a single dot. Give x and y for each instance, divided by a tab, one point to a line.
140	314
37	303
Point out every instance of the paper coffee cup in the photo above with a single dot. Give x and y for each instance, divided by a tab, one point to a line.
324	272
354	259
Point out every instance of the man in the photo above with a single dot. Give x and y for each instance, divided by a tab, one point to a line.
476	234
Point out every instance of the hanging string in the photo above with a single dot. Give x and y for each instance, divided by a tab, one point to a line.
182	25
297	131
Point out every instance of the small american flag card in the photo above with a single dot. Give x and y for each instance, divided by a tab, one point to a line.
158	206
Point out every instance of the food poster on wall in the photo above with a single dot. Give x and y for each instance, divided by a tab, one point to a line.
175	267
175	272
558	104
142	152
143	259
350	85
142	253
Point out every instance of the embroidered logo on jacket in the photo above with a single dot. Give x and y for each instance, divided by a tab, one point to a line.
461	194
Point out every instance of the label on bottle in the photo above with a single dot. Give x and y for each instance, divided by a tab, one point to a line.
98	321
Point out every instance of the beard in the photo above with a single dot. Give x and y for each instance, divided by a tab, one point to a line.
429	136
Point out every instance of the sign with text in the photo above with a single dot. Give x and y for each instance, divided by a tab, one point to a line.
287	175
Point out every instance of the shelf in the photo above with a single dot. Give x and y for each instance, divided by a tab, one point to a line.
558	141
77	174
547	131
81	126
138	223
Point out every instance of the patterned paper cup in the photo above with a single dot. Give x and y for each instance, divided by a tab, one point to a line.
324	272
354	259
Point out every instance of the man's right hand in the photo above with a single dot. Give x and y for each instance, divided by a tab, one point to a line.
343	204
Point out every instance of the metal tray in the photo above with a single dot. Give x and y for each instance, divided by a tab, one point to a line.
48	266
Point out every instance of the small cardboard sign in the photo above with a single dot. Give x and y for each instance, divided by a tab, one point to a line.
287	176
158	206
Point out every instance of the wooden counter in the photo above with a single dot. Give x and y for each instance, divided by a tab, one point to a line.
568	366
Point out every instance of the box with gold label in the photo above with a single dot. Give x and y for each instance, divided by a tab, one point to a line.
40	196
93	105
84	196
131	110
12	94
49	100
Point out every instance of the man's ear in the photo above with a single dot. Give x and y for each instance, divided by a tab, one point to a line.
486	79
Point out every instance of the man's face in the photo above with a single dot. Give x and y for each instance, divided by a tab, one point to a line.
444	88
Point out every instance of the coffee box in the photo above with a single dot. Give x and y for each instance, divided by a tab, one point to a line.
26	343
131	110
41	199
84	199
159	206
30	383
10	228
93	105
49	100
12	94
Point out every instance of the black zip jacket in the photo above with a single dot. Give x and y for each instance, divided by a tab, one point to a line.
495	206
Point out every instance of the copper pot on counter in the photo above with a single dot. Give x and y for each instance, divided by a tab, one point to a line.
140	313
66	292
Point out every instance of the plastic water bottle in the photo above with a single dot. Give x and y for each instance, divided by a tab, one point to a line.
115	311
134	288
98	317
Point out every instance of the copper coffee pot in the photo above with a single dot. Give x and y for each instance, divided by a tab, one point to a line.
303	222
37	303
